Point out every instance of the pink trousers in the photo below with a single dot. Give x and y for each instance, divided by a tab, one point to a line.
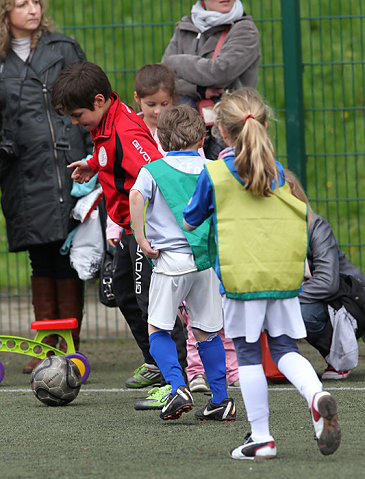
195	365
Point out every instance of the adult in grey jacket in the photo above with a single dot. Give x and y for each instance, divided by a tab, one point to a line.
191	48
326	264
36	146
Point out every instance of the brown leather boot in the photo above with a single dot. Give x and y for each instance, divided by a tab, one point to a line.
70	301
44	302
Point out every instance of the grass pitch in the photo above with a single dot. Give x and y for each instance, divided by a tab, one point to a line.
101	435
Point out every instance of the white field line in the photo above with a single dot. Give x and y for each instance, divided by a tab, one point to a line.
121	390
83	390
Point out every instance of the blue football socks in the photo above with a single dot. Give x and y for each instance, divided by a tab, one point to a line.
213	357
163	351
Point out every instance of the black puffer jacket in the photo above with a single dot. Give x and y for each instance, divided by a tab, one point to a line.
36	185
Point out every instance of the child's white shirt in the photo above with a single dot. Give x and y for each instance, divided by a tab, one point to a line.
162	230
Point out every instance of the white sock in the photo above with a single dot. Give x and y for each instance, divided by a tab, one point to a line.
301	374
255	396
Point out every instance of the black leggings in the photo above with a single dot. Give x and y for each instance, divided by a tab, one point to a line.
47	262
249	354
131	283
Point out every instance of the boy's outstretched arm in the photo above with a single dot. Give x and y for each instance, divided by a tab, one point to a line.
83	172
136	207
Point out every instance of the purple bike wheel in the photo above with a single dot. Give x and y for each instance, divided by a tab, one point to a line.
2	371
82	363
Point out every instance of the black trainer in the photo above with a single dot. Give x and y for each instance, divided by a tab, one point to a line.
225	411
176	404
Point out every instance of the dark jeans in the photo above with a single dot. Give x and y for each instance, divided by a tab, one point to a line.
315	317
318	326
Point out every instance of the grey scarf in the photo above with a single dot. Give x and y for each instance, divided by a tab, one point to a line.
205	19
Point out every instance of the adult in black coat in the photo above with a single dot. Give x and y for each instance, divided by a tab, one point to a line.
36	145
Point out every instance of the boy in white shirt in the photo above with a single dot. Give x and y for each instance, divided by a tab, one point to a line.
181	264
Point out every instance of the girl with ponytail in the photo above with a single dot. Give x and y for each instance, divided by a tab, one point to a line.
261	238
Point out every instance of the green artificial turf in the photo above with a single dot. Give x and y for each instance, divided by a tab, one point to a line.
101	435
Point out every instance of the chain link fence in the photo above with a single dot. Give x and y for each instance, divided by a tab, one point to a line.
312	73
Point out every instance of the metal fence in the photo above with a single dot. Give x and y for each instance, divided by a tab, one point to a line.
312	73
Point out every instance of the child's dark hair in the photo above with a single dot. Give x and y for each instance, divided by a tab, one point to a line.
152	78
244	115
179	128
77	86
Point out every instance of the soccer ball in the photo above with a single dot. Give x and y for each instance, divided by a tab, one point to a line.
56	381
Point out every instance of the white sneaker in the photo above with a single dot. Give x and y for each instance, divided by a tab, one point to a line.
235	384
254	450
198	384
326	427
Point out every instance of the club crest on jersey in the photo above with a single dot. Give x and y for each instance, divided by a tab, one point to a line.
102	157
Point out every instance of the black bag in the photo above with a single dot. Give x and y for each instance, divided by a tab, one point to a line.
106	294
107	268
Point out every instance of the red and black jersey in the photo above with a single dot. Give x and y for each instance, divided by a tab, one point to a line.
123	144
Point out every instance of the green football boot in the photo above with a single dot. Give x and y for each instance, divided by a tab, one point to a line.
156	398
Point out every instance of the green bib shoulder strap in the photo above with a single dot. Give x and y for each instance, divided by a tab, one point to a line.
177	188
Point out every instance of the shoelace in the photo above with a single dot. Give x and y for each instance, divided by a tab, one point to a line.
156	392
153	391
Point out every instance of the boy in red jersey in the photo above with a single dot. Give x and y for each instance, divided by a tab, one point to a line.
123	144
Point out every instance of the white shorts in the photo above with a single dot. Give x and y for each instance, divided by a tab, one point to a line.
276	316
199	289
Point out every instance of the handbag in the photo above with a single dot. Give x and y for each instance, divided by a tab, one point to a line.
106	294
205	106
351	295
344	351
107	268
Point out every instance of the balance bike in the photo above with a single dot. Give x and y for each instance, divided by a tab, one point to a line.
37	349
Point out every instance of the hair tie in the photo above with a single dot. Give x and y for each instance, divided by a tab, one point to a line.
245	118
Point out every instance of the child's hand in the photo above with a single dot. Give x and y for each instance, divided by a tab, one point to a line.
147	250
82	171
213	92
113	241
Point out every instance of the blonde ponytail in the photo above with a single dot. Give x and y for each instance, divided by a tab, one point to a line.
244	117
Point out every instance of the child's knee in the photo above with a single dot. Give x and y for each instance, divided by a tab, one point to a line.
281	345
248	354
201	336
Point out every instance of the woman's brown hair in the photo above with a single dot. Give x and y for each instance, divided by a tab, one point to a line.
7	6
297	190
